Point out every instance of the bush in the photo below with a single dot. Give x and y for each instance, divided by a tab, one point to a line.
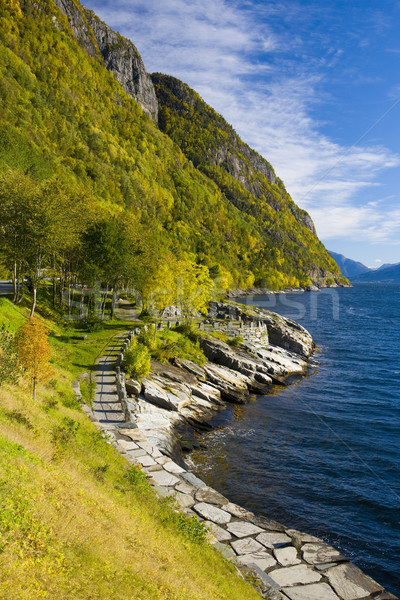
136	361
236	341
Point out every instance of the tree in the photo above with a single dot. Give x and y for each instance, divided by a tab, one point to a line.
9	369
194	287
34	352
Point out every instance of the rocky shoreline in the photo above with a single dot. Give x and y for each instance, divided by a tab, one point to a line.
184	396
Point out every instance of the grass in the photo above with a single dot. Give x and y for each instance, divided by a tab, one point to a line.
76	522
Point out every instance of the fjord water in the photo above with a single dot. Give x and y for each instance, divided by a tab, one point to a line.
323	455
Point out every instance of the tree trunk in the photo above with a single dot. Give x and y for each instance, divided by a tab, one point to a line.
34	389
103	306
34	299
54	291
113	301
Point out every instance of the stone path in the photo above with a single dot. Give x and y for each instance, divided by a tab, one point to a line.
285	563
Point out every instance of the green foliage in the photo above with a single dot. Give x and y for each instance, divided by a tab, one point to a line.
280	248
136	362
236	341
173	344
64	433
91	172
137	478
188	527
9	367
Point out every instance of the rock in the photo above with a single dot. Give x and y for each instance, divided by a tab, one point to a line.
193	480
321	553
315	591
234	387
137	453
242	529
224	550
263	560
286	556
150	449
133	387
303	537
238	511
119	54
220	353
185	488
350	583
299	574
212	513
267	524
247	546
273	540
172	467
207	392
163	478
169	395
220	534
184	500
128	445
211	496
191	367
173	373
146	461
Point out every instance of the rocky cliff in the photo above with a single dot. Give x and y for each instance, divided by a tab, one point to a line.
120	56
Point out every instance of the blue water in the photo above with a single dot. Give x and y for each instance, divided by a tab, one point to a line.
323	455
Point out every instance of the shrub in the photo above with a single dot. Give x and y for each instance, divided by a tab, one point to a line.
236	341
136	361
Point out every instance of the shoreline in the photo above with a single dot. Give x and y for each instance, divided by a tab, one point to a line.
283	563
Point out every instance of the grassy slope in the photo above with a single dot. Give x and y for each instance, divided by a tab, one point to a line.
72	524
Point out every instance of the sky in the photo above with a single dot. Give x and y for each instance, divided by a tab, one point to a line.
314	87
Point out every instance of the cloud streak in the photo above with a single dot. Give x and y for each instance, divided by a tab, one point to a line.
261	79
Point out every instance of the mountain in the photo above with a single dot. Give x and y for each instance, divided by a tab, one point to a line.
388	275
387	266
79	108
246	179
349	268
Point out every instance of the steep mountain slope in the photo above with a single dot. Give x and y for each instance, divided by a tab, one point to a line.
349	268
389	275
75	99
287	233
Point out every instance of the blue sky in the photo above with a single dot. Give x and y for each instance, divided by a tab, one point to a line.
313	86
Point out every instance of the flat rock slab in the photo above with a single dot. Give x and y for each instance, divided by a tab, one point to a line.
237	511
289	576
184	500
212	513
135	434
246	546
315	591
242	529
267	524
220	534
286	556
351	583
138	452
316	554
193	480
164	478
263	560
211	496
185	488
273	540
146	461
172	467
303	537
150	449
128	445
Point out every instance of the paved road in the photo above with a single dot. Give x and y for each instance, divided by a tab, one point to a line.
5	288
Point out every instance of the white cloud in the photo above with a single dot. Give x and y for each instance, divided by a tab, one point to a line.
247	72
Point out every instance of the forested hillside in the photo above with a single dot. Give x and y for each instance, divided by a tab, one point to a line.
76	141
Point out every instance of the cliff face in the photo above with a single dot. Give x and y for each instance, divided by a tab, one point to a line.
120	56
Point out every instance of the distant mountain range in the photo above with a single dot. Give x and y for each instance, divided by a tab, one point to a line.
359	273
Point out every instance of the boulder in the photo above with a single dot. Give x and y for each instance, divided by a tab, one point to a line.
133	387
234	387
165	393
